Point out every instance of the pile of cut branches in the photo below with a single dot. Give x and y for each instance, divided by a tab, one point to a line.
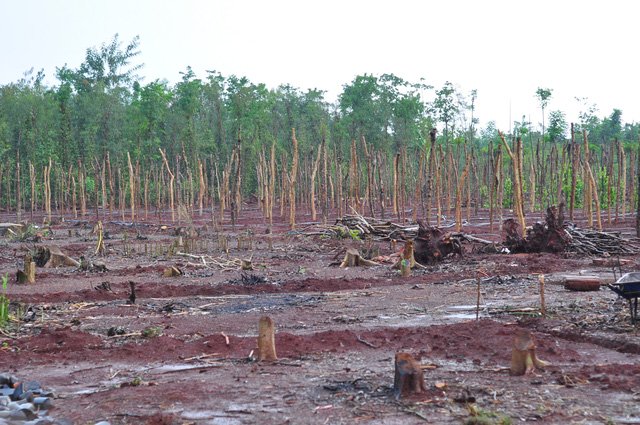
378	229
592	242
555	235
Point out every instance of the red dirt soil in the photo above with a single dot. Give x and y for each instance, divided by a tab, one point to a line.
168	360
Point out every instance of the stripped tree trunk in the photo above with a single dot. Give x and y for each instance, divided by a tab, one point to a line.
292	181
171	185
517	184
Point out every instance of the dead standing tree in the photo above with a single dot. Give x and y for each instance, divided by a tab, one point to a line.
460	186
430	172
171	184
312	191
516	158
132	187
590	181
292	181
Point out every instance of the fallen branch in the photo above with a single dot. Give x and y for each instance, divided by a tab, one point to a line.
365	342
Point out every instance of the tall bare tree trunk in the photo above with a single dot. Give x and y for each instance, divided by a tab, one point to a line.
18	191
83	188
593	188
517	184
370	181
622	172
638	191
459	190
325	183
171	185
312	196
396	166
430	173
111	186
132	188
203	187
574	171
272	182
32	178
47	190
292	181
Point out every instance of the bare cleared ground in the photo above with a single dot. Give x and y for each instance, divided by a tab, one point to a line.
337	332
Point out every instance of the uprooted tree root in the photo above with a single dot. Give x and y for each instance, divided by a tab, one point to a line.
555	235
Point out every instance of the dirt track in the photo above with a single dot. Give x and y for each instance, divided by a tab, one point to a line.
337	332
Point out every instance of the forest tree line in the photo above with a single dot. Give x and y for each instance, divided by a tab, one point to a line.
105	134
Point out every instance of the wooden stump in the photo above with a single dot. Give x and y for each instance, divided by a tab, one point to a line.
132	294
51	256
172	271
29	268
408	379
523	355
246	265
352	258
266	340
407	260
98	229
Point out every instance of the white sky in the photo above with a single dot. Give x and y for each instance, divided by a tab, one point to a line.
504	49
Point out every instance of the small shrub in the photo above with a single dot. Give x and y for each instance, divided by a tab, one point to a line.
4	301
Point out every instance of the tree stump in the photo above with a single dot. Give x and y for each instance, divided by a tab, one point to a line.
523	356
132	294
98	229
29	268
407	262
246	265
172	271
352	258
409	378
266	340
51	256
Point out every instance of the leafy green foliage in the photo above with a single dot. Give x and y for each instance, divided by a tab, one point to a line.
103	108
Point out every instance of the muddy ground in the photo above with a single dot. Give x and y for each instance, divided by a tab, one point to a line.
183	353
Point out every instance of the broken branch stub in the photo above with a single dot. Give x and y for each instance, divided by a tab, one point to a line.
523	356
266	340
409	378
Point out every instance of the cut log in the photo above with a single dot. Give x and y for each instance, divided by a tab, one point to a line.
266	340
610	262
523	356
352	258
10	228
51	256
408	378
582	283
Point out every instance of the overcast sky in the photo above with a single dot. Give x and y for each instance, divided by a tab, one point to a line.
504	49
